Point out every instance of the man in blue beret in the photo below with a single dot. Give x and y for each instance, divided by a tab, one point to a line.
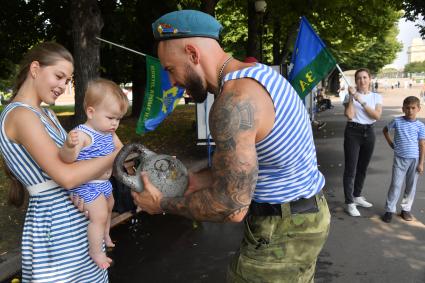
264	169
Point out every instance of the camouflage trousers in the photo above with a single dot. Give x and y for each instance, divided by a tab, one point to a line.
281	248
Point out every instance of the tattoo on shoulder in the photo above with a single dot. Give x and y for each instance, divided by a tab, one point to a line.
228	117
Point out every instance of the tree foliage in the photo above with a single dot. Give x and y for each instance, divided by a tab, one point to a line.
20	24
414	11
415	67
359	33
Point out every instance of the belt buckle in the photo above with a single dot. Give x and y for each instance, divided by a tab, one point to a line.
303	206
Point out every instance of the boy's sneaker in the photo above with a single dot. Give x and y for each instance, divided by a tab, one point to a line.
406	215
387	217
352	210
361	201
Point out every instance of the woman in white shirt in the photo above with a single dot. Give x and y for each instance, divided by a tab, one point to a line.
362	108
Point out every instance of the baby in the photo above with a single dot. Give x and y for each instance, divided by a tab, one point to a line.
105	104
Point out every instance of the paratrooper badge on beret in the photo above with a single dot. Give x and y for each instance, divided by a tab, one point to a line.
186	23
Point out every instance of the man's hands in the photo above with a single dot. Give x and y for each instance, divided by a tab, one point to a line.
150	199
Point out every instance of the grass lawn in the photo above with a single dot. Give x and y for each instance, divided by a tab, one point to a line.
175	136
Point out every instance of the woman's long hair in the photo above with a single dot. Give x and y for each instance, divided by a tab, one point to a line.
46	54
17	193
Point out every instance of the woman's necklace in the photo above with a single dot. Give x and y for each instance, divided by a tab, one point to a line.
220	73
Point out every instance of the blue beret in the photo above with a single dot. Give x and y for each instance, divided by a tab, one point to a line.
186	23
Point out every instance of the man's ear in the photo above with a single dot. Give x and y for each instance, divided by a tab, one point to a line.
193	53
34	67
89	112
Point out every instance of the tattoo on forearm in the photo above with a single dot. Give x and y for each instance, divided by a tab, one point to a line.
235	168
231	193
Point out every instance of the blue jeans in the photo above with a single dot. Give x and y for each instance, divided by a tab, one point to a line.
403	168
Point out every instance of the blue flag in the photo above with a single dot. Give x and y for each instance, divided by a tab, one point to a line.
311	60
160	97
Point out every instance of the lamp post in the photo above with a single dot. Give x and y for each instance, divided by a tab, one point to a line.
260	9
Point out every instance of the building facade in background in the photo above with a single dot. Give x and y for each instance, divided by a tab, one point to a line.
416	52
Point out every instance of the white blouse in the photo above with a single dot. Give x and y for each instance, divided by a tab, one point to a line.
360	115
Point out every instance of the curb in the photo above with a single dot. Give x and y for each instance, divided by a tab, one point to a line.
10	264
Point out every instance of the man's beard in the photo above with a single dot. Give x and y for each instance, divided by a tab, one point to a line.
194	86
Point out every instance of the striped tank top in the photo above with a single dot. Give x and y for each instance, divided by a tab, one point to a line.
54	238
101	145
287	156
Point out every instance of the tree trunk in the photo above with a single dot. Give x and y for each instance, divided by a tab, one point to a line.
86	26
138	88
208	6
277	31
254	20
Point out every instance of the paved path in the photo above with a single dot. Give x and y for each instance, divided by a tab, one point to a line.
365	249
362	249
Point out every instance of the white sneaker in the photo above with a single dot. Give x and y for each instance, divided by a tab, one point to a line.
361	201
352	210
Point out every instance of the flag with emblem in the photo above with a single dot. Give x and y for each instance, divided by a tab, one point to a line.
160	97
311	60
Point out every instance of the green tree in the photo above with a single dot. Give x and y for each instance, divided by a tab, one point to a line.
19	26
359	33
415	10
366	37
415	67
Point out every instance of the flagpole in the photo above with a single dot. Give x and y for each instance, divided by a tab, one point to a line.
312	105
123	47
342	73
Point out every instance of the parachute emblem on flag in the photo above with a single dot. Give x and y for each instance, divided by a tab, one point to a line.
169	99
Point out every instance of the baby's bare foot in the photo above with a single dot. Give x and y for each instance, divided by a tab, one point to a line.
108	242
101	259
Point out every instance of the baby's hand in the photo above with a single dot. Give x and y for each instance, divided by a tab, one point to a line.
72	139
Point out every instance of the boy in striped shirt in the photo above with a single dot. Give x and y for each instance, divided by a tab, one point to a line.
409	150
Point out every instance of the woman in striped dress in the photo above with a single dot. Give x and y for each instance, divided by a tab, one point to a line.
54	241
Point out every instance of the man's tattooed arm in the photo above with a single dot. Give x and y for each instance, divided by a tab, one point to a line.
234	169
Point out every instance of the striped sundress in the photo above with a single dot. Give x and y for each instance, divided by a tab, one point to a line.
54	241
287	156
